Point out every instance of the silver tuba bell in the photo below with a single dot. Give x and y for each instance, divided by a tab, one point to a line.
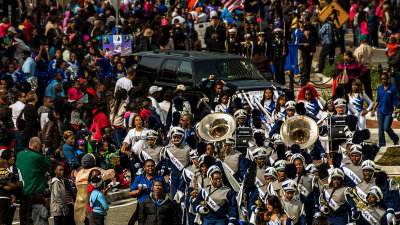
217	126
301	130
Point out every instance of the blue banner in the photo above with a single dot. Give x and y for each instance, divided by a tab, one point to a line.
291	59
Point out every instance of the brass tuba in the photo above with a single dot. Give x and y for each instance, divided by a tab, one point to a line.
217	126
301	130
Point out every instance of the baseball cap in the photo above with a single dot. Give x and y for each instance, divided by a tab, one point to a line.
363	37
12	30
81	142
181	87
154	89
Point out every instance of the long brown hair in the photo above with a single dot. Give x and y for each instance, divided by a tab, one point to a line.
357	82
276	205
277	106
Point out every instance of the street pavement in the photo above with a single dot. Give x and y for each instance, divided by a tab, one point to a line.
119	213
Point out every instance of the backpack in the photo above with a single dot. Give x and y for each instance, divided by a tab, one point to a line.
20	121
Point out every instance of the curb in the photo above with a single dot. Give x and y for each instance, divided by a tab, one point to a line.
117	195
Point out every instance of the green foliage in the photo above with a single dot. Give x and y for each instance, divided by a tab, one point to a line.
328	69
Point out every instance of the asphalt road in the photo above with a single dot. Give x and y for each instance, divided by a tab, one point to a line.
119	213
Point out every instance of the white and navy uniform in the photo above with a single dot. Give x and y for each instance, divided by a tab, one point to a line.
224	108
391	198
337	203
294	207
221	203
259	192
202	181
269	106
177	158
304	185
312	107
236	164
250	151
372	215
275	188
185	187
153	153
364	187
357	101
352	174
278	115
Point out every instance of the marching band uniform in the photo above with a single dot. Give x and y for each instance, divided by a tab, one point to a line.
220	201
332	201
371	214
151	152
234	161
357	101
76	68
278	53
289	105
275	187
224	108
260	193
293	207
391	196
259	139
233	43
177	158
247	47
269	106
305	184
353	173
364	187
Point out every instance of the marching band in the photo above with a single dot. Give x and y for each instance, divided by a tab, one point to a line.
291	155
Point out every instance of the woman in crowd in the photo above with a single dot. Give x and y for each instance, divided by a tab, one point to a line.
117	107
350	68
31	118
50	134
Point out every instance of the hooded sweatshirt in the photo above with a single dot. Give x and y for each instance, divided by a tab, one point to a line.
58	202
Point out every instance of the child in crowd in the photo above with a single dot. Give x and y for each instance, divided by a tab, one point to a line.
77	115
40	214
58	202
391	48
73	92
82	147
96	200
44	110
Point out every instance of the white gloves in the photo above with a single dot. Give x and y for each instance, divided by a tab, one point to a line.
390	218
202	210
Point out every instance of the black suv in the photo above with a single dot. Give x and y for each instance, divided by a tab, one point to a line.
168	69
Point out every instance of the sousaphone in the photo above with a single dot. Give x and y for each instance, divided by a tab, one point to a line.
217	126
301	130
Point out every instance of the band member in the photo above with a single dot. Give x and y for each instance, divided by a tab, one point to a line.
340	107
233	160
247	46
177	158
391	196
290	107
312	101
370	213
255	181
368	170
259	141
223	104
232	43
332	201
258	195
275	187
216	202
353	171
293	207
279	51
240	116
268	101
304	182
280	110
357	99
153	150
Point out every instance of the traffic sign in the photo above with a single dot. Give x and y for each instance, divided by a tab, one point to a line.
338	15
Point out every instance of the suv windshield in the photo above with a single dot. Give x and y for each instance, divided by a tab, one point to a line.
227	69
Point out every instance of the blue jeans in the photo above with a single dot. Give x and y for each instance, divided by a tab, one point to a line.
384	124
58	220
119	135
19	144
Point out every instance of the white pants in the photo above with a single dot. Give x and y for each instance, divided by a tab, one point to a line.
362	123
325	143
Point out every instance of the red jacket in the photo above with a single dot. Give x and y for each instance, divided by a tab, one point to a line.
100	120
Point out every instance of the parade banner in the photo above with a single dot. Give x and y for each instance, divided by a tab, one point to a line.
117	44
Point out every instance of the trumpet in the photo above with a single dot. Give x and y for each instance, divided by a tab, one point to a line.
323	202
360	204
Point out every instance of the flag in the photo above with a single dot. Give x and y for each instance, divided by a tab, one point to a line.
232	4
251	5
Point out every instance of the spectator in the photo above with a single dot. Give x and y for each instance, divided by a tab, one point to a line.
363	54
29	66
3	97
44	110
117	108
50	135
386	102
40	214
97	201
327	44
158	208
50	91
6	127
69	150
125	82
31	118
33	164
58	204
